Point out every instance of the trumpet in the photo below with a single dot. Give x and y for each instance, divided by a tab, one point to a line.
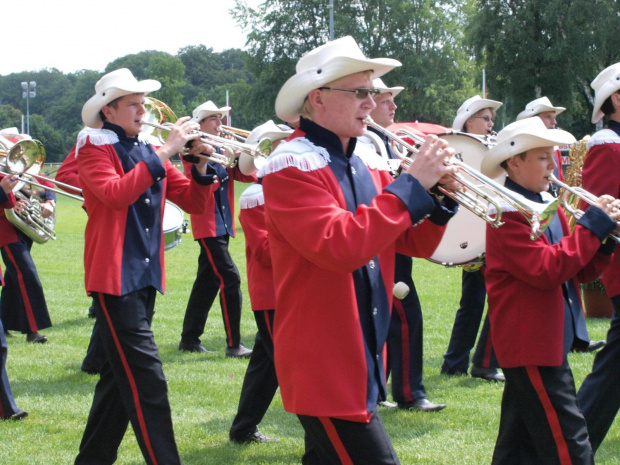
582	194
472	194
240	134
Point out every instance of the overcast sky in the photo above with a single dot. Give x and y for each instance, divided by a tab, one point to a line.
71	35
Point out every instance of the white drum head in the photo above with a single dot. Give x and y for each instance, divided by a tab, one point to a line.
172	225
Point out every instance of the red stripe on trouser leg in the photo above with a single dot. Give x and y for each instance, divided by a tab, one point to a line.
552	416
404	350
222	294
132	383
333	437
32	322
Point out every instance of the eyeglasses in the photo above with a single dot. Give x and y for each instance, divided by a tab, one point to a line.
488	119
360	93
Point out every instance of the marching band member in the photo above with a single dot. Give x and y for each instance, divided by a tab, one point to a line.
599	395
22	305
125	183
405	343
8	408
535	303
217	272
335	221
544	109
475	116
260	383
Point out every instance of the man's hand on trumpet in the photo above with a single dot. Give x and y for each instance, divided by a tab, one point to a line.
180	133
610	206
429	166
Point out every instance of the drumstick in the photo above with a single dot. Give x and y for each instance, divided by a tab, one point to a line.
400	290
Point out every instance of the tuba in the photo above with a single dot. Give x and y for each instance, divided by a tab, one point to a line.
25	158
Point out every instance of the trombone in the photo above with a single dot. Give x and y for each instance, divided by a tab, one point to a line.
473	196
582	194
262	149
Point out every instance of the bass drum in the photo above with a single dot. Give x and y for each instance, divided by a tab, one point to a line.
464	239
174	225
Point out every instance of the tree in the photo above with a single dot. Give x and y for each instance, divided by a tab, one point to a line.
425	36
551	47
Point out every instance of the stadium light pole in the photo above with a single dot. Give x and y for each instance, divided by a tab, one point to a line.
29	90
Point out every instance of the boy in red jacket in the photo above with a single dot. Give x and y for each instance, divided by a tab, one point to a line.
534	301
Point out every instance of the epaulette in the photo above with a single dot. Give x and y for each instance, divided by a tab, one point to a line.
369	156
95	137
604	136
299	153
252	197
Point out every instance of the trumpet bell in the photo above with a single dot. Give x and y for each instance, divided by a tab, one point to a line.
25	157
159	113
250	164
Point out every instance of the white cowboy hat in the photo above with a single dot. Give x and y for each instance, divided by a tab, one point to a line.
323	65
208	109
380	85
470	107
519	137
604	85
537	106
269	130
9	131
110	87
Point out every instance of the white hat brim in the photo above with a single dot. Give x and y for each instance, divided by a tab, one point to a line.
293	93
521	143
91	109
528	113
474	108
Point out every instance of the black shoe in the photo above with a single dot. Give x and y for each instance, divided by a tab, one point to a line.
254	437
240	351
422	405
89	369
488	374
91	312
592	346
192	347
19	415
453	373
7	334
36	338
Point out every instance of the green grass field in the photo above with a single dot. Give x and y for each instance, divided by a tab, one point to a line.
204	389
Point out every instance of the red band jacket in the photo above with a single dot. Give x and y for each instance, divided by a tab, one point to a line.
218	216
125	186
335	222
258	257
601	175
524	280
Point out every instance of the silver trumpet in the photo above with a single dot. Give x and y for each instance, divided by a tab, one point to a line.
584	195
478	192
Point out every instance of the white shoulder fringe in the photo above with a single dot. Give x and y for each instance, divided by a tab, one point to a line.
299	153
604	136
252	197
102	137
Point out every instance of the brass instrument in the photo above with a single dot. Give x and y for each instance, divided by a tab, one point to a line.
473	196
240	134
572	177
24	160
569	193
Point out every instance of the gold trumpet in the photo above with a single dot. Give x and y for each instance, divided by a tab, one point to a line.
472	195
240	134
580	193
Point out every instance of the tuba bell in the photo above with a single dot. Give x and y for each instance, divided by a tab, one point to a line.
25	158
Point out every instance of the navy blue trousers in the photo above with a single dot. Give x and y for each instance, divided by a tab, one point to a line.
541	422
260	382
331	441
7	402
132	386
23	307
465	329
599	395
405	343
216	273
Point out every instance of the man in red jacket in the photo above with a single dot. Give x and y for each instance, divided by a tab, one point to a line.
534	300
217	273
599	394
125	182
335	220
